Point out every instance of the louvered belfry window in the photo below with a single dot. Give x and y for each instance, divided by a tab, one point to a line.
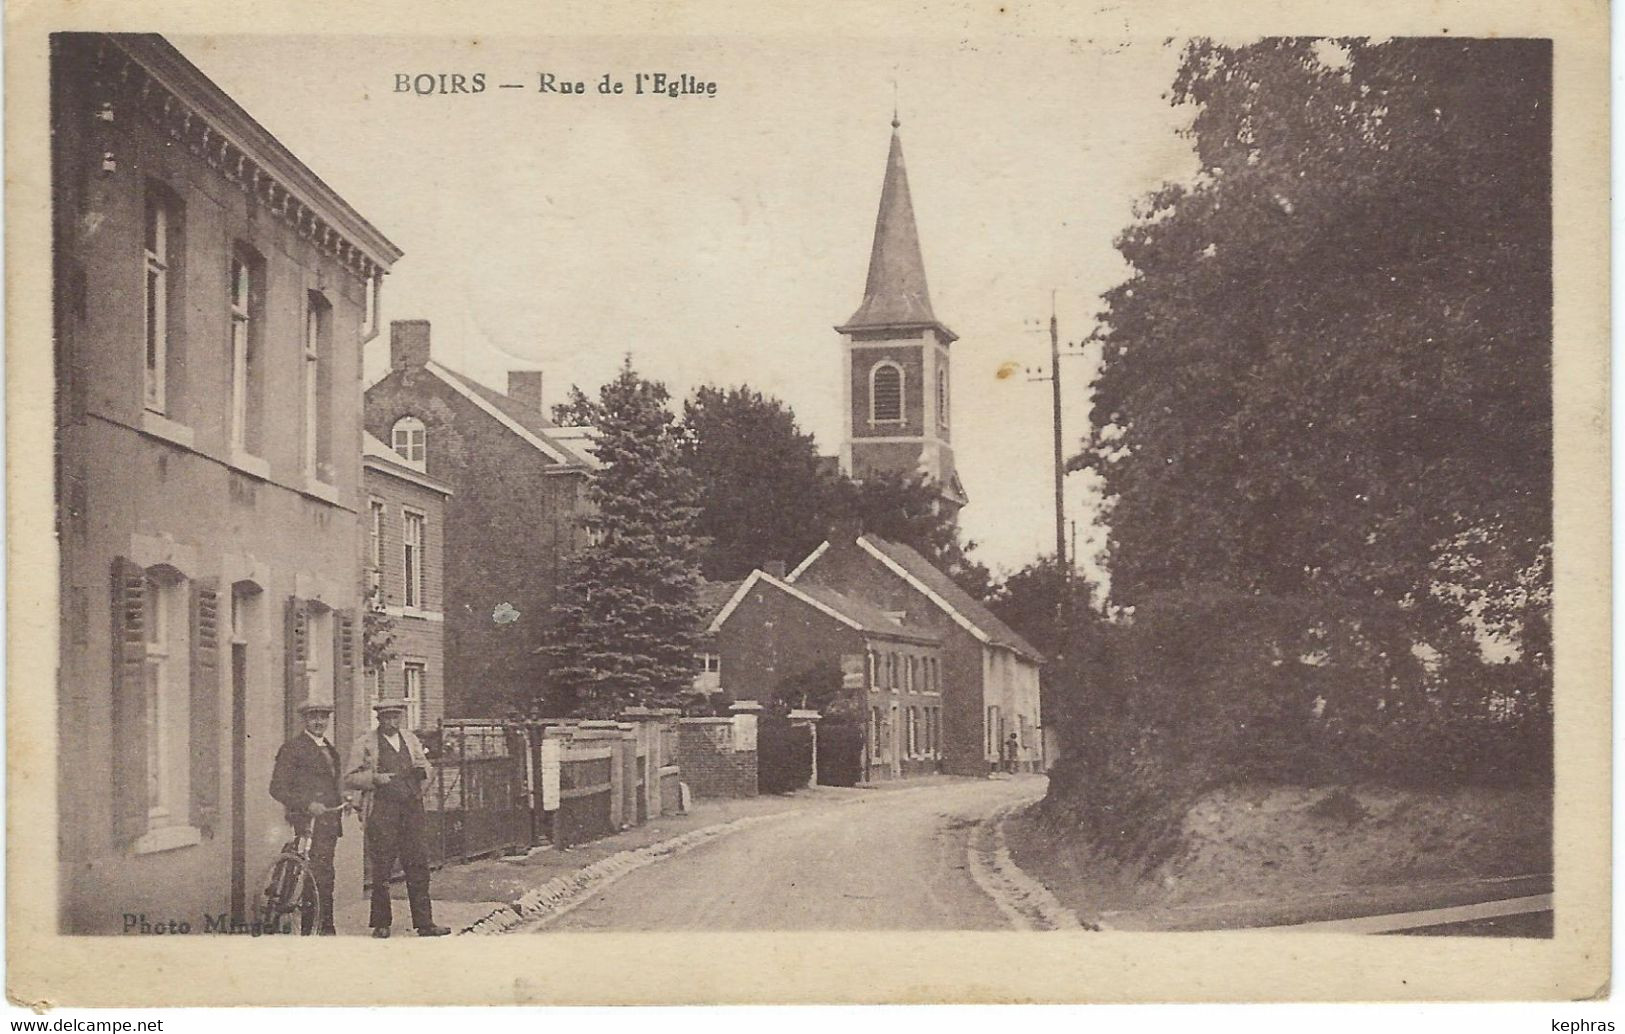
886	393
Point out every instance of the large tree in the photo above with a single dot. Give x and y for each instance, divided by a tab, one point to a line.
1329	375
624	630
766	494
762	496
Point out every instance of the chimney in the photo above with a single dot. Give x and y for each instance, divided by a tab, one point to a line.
775	568
526	386
408	343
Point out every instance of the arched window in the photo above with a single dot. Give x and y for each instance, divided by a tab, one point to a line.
886	393
407	438
942	396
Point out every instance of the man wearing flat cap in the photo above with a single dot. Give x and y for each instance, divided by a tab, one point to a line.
390	766
305	781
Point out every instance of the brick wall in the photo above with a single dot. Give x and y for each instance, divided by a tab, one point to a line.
708	761
772	637
510	524
419	633
846	567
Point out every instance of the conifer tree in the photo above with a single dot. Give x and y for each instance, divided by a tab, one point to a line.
624	630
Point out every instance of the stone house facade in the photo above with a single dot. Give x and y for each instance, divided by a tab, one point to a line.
989	673
511	520
403	554
772	635
212	296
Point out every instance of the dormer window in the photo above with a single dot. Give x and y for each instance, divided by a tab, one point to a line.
886	393
407	438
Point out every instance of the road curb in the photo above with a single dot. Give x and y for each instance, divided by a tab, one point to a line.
1025	902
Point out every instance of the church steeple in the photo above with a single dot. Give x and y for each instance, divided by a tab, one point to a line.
895	294
897	386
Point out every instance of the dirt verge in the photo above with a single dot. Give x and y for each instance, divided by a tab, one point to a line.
1254	856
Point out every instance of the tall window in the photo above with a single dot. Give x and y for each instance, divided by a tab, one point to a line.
160	244
886	393
942	396
414	674
318	376
375	573
168	701
407	439
246	363
412	558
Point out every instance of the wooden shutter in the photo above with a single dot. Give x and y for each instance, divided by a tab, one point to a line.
129	725
295	646
343	677
205	706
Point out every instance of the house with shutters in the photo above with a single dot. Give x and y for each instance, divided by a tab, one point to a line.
211	299
518	485
404	560
985	674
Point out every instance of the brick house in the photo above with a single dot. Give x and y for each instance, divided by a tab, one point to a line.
988	675
771	633
712	597
511	520
403	554
211	300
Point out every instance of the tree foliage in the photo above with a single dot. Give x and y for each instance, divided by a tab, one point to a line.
762	495
1330	369
766	494
625	629
1323	421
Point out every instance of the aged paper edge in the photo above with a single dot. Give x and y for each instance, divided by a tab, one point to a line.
44	969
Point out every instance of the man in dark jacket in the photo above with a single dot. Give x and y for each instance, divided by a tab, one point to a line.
305	781
391	768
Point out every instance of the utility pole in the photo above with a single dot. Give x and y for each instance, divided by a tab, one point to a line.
1054	377
1060	460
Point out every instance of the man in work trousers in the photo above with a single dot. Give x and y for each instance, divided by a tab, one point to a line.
389	764
305	781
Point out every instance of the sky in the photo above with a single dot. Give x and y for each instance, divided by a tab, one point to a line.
719	239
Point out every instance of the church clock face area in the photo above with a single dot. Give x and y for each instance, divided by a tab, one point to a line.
773	484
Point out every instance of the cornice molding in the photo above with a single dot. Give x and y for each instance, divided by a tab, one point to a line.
146	73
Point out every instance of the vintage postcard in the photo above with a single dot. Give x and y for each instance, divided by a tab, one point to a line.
705	503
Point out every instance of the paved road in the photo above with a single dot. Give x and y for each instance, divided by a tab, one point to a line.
891	860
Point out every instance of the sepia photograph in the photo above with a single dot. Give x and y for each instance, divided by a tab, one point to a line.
549	487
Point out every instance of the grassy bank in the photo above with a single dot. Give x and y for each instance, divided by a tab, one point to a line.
1255	855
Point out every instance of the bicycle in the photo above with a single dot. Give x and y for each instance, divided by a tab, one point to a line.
290	882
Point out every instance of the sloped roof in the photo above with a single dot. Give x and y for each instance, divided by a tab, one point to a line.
378	456
871	617
713	596
528	422
580	439
895	294
853	613
957	601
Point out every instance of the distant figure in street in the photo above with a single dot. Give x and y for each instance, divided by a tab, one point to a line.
1011	746
390	765
305	781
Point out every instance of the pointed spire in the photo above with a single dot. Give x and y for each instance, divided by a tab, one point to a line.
895	294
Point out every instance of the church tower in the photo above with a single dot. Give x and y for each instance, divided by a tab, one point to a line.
897	383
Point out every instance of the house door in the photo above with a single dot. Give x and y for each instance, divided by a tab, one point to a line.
896	743
239	759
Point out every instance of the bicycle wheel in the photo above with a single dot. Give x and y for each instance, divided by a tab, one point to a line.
284	890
